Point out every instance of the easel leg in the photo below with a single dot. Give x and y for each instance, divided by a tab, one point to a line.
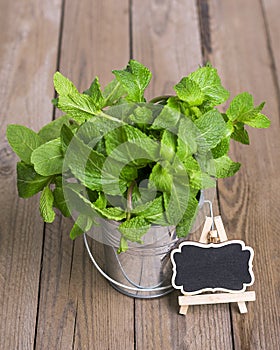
183	310
242	307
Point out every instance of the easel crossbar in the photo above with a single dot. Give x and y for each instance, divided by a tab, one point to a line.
219	298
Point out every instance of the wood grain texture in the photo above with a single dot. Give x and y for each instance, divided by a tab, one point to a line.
78	308
271	13
28	52
249	201
166	38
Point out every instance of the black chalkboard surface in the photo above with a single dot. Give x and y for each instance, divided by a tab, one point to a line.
199	267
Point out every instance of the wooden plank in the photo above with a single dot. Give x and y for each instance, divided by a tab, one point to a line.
249	201
28	50
166	38
78	308
271	12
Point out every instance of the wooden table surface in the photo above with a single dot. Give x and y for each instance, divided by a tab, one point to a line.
51	297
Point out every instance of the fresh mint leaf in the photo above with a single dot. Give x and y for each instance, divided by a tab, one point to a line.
78	106
242	110
81	225
142	116
134	229
200	180
209	82
46	205
184	226
66	136
85	164
161	178
113	92
223	167
167	119
123	245
129	144
23	141
176	202
168	145
212	129
96	94
187	139
240	134
48	158
222	148
189	91
52	130
60	201
152	210
134	79
28	181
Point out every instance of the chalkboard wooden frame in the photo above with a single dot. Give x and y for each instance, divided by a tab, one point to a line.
215	246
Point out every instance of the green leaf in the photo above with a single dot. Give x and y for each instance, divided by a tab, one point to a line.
187	221
212	128
85	164
23	141
95	92
187	136
152	210
142	116
200	180
28	181
48	158
113	92
161	178
189	91
168	145
123	245
176	202
222	148
82	224
223	167
167	119
78	106
52	130
134	79
46	205
111	213
66	136
242	109
209	82
134	229
129	144
60	201
241	135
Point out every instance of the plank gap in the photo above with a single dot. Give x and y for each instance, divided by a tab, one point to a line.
204	29
39	287
59	46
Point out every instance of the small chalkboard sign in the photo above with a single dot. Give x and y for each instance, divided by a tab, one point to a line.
199	267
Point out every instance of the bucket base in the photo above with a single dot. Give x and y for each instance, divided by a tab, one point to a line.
142	295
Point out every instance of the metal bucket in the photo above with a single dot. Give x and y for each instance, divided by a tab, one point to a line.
144	270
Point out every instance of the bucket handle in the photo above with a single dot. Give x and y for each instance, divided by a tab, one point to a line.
104	274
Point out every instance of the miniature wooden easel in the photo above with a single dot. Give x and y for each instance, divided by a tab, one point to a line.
215	236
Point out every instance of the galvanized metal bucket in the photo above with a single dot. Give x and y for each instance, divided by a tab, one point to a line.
144	270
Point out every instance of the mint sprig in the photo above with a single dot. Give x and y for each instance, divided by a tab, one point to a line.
115	156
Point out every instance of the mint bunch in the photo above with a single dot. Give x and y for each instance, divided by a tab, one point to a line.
116	156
